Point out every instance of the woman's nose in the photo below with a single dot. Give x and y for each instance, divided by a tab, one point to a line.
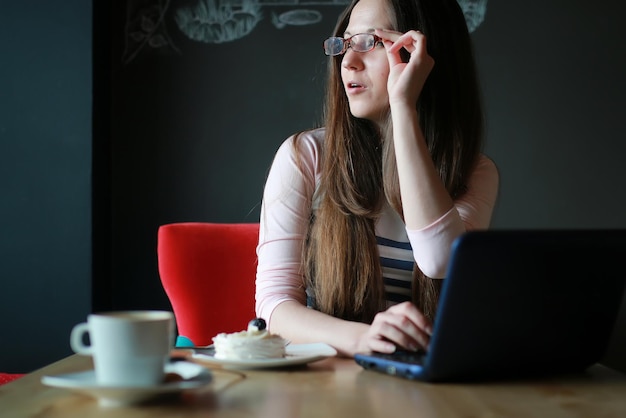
352	60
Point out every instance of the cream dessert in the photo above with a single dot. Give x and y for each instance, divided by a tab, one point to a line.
254	343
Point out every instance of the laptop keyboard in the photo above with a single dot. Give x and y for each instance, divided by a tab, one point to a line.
403	356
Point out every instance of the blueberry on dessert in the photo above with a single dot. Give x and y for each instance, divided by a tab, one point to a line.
257	324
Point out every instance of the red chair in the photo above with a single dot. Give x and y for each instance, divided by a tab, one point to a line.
9	377
208	272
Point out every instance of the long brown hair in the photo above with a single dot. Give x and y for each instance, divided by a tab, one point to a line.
340	256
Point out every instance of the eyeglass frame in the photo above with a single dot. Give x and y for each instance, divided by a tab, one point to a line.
347	43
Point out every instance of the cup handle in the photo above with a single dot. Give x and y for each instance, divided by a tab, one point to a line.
76	339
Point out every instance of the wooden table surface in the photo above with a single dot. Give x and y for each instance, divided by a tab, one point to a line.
331	388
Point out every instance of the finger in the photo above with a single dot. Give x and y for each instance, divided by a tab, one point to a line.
409	41
400	330
409	310
382	346
409	341
409	336
405	41
389	38
394	57
388	35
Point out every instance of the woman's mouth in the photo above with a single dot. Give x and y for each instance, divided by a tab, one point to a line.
354	87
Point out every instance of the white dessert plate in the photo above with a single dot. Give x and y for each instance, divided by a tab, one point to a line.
295	354
194	376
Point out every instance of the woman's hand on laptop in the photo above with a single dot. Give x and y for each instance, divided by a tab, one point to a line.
401	325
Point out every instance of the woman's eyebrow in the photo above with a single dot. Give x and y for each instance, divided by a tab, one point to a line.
370	30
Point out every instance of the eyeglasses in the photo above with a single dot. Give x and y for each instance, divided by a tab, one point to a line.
361	42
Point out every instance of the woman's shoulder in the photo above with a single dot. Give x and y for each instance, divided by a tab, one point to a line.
302	149
485	172
311	138
305	144
486	164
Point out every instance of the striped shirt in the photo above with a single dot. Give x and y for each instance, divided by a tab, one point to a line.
396	260
396	256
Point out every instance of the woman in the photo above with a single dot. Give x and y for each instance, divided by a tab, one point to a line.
358	218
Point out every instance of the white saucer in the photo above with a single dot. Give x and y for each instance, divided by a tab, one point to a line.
194	376
296	354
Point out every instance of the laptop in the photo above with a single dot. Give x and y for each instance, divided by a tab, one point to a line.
520	304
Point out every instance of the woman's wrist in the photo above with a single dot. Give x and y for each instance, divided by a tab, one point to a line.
300	324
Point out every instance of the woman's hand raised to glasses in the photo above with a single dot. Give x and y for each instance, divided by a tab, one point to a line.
401	325
406	79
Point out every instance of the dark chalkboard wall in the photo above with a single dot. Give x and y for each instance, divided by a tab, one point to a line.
553	76
195	127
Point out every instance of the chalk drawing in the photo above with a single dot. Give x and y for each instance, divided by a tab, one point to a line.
474	11
219	21
215	21
145	27
296	18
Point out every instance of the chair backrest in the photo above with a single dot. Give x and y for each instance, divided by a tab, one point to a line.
9	377
208	272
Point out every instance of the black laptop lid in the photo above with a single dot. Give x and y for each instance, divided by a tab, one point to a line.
527	303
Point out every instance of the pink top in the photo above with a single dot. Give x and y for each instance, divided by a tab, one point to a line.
289	199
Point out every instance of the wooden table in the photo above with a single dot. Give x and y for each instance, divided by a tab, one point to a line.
332	388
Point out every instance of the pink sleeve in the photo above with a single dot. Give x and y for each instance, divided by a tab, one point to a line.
432	245
285	215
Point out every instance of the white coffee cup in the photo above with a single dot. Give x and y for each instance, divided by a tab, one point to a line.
129	348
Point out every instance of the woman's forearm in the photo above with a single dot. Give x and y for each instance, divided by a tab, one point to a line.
424	197
300	325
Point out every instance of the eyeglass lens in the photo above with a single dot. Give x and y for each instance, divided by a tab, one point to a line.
361	42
